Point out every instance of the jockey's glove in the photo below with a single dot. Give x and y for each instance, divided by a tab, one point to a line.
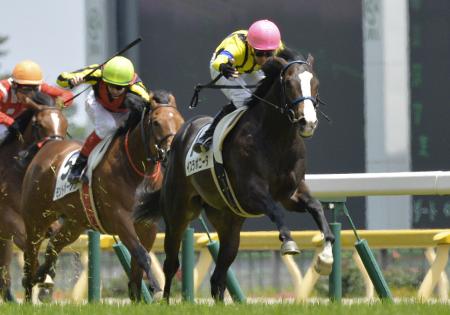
228	70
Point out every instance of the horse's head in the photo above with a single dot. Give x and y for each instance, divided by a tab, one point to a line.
41	121
48	121
164	122
300	88
294	93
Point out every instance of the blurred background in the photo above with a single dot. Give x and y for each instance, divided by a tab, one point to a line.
383	67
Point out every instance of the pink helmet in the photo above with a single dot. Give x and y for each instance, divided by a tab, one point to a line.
264	35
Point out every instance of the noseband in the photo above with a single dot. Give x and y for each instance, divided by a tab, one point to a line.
287	108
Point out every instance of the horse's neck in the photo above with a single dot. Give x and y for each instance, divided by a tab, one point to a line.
129	153
273	125
13	147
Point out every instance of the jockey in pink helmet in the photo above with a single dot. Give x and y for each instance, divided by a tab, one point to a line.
238	59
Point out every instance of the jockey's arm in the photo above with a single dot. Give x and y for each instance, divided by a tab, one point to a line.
65	79
139	89
6	119
56	92
231	48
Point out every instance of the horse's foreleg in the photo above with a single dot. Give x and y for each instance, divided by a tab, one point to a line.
5	278
228	227
302	200
259	199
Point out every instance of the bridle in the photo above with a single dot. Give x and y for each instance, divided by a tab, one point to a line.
287	107
161	152
36	131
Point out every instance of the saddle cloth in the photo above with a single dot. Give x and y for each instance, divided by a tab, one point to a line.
63	187
196	162
212	160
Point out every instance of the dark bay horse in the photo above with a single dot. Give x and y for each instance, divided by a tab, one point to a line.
265	158
135	152
40	124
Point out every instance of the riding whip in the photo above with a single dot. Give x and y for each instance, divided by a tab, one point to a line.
120	52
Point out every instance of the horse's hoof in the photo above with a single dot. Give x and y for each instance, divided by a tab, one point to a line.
9	297
157	296
324	264
45	294
289	248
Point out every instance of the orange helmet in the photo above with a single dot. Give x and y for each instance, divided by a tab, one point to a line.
27	72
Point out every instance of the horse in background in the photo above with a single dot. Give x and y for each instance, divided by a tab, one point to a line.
41	124
265	159
136	152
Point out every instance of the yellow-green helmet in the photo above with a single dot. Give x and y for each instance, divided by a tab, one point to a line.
118	71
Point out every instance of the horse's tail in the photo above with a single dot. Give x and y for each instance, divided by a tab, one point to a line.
147	207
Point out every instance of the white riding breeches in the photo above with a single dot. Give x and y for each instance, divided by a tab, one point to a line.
3	132
237	96
105	122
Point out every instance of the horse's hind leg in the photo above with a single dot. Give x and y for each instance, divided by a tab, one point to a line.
5	278
302	200
31	251
67	234
147	235
140	259
176	224
228	227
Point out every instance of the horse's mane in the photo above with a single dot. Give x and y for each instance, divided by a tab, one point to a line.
272	69
24	119
289	54
161	97
136	105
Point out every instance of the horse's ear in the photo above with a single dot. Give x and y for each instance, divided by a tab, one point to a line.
310	60
153	104
172	101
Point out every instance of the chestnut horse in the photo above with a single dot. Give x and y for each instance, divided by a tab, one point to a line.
40	124
136	151
265	158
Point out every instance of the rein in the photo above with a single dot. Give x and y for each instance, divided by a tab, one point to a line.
154	175
213	86
283	109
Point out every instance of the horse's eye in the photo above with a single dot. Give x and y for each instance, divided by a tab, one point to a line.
155	123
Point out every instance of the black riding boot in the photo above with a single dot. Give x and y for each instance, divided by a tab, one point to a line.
205	141
25	156
77	169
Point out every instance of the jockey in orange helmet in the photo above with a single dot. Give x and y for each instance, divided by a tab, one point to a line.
26	78
238	59
105	103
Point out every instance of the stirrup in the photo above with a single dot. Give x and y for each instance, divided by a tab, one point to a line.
76	177
23	158
202	146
